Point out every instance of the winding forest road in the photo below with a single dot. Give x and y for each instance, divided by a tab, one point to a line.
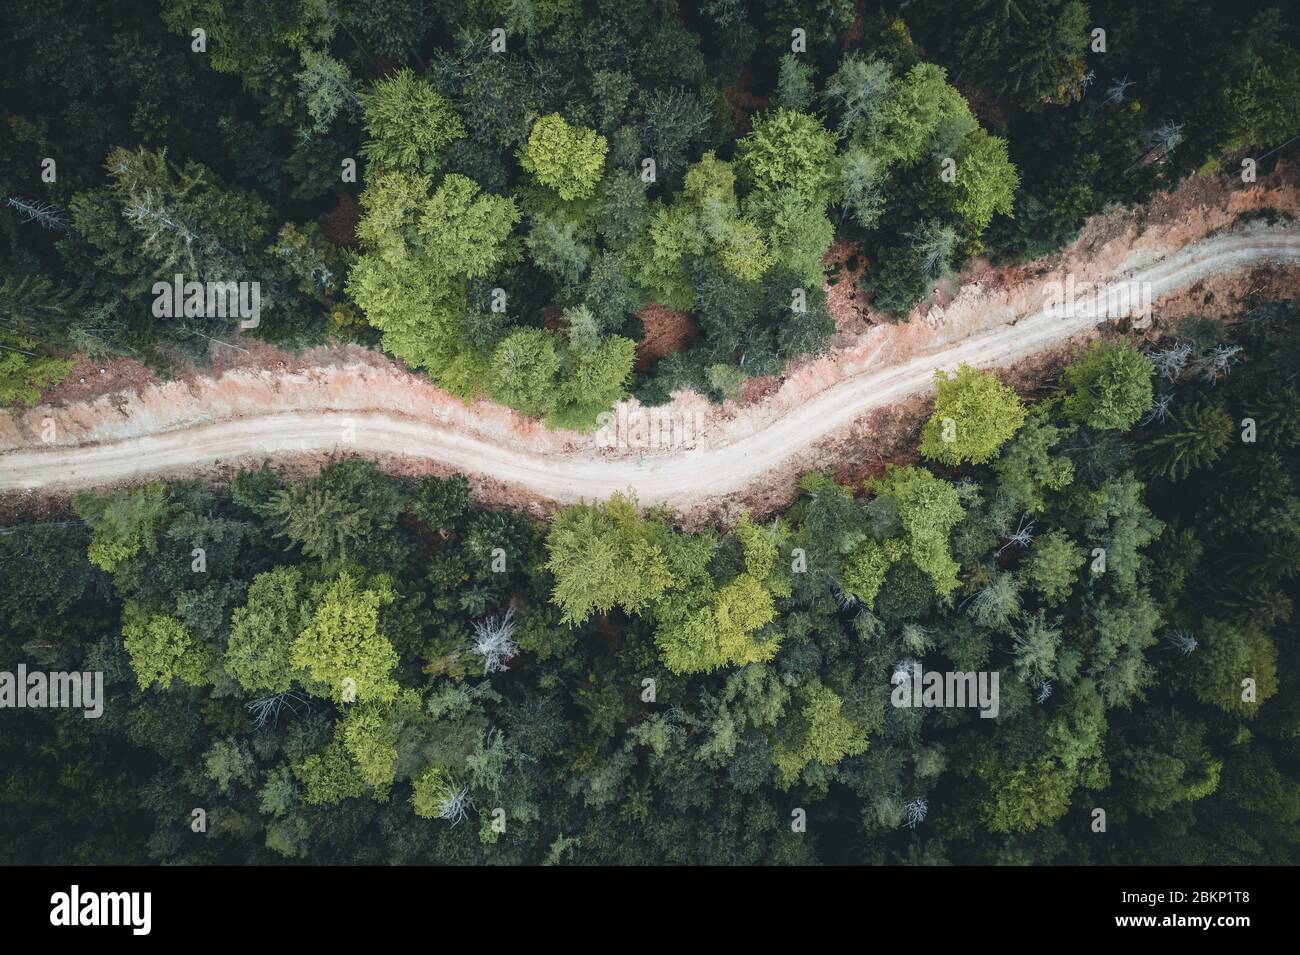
679	478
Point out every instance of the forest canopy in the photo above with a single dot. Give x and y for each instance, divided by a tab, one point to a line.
557	205
498	209
373	669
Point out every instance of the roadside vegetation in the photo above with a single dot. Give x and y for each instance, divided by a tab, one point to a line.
498	211
357	668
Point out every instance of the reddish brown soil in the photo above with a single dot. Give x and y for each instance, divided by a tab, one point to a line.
666	332
845	296
90	379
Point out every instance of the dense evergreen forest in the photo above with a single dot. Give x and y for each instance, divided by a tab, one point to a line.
354	667
357	668
495	209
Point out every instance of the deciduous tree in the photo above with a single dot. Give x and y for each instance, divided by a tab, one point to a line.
566	159
974	415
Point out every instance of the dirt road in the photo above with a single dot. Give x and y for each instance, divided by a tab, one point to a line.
680	478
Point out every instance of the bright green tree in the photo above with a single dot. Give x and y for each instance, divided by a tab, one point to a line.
605	555
262	631
1026	798
418	250
123	523
928	509
524	368
330	776
370	738
162	650
797	233
341	650
409	124
705	626
986	180
564	158
720	633
791	150
907	120
463	229
864	569
597	377
974	415
25	372
818	731
704	218
429	791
